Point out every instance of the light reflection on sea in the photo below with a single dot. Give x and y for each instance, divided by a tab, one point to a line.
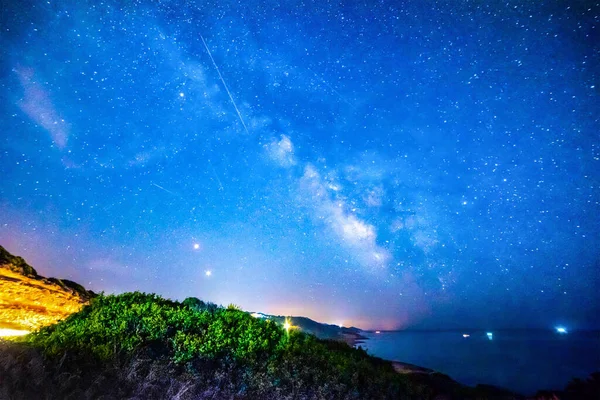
522	361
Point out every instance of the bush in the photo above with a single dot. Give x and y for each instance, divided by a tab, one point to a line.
252	357
198	305
113	325
16	263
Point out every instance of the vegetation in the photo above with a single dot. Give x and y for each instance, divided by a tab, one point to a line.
71	286
583	389
16	263
148	346
19	265
140	345
115	325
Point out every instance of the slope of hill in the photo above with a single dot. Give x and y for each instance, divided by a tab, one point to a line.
138	345
350	335
29	301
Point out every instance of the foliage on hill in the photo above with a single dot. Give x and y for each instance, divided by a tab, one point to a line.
252	358
111	325
75	287
576	389
20	266
16	263
139	345
321	330
29	301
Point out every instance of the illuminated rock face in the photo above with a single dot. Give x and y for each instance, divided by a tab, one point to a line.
29	301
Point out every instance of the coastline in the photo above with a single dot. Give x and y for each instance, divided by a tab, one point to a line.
355	339
352	339
407	368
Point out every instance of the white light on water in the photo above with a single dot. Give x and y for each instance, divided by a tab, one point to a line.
561	329
490	335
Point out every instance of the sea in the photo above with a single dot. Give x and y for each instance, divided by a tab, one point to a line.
521	361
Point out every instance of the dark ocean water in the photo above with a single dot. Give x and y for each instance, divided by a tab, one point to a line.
523	361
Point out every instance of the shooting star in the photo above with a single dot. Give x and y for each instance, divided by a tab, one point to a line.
225	85
162	188
216	176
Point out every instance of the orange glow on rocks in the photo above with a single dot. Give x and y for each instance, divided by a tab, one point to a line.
29	301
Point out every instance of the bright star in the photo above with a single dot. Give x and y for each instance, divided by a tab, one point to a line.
208	272
196	246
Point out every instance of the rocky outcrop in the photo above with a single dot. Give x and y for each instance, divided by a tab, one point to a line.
29	301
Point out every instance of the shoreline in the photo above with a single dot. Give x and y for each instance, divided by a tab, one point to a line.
407	368
355	339
352	339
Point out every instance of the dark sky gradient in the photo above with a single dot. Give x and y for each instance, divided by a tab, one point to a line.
380	164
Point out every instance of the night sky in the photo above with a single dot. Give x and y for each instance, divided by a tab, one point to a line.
382	164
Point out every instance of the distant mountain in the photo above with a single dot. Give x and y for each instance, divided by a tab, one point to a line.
350	335
29	301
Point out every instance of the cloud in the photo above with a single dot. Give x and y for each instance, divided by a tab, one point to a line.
356	235
397	225
282	151
374	197
425	239
143	158
423	233
37	105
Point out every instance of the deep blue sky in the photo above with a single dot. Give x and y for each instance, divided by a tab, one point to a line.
382	164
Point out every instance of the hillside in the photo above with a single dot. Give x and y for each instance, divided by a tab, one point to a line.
350	335
142	346
29	301
138	345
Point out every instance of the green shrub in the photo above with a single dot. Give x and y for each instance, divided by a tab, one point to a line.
260	356
112	325
199	305
16	263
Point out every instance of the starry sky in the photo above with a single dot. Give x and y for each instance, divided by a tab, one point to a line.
382	164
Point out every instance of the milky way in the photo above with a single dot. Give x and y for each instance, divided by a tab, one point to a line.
378	164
